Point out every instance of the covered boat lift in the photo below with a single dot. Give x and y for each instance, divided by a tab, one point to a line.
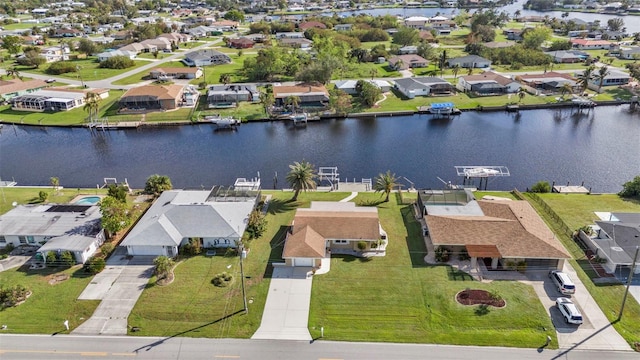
470	173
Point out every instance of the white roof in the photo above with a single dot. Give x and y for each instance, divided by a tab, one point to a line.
417	18
439	18
44	220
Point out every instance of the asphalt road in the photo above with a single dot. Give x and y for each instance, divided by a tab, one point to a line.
119	347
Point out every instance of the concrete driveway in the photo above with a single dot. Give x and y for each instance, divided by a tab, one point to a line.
286	312
118	287
595	333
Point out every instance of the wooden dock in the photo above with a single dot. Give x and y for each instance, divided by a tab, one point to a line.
571	189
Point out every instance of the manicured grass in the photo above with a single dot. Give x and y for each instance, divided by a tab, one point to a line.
191	306
89	70
244	111
24	195
577	210
141	76
365	71
49	305
397	298
213	72
72	117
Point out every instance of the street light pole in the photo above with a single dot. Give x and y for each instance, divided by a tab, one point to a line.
626	292
243	254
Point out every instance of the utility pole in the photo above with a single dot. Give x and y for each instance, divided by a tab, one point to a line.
243	254
624	299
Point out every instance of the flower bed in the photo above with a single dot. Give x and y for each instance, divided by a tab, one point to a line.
479	297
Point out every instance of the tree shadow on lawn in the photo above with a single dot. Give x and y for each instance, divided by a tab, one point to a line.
277	246
414	239
457	275
278	206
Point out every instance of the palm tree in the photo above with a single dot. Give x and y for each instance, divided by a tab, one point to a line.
225	78
373	73
566	89
442	62
385	183
267	101
521	94
455	69
292	102
301	177
602	73
14	73
583	79
470	71
516	15
163	266
399	64
92	105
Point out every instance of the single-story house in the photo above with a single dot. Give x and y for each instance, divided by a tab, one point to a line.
427	36
133	47
404	62
176	73
230	95
206	57
301	43
567	56
152	97
203	31
67	33
495	233
548	83
487	83
498	44
55	53
613	78
241	43
513	34
53	227
349	86
423	86
410	49
342	27
256	38
615	238
632	53
586	44
311	96
290	35
443	27
157	44
215	218
53	99
303	26
333	227
469	61
109	54
16	87
175	38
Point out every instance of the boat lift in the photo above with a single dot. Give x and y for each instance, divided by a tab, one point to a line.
330	174
470	173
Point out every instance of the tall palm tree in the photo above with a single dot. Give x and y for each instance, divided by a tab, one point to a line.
521	94
225	78
293	102
442	62
14	73
603	72
583	79
455	69
163	266
385	182
92	105
267	100
566	89
301	177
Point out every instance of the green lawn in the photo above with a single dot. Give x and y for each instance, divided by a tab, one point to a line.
213	72
72	117
576	211
244	111
89	70
365	70
141	76
25	195
49	305
397	298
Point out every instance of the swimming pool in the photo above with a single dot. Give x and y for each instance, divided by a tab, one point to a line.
89	200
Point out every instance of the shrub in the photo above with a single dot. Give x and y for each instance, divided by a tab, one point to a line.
3	256
12	296
257	224
43	195
510	265
192	248
106	249
464	255
52	259
61	67
442	254
95	265
494	295
541	187
631	188
67	259
521	266
230	252
117	62
9	248
222	280
362	245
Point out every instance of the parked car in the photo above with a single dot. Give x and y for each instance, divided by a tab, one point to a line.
49	81
569	311
563	282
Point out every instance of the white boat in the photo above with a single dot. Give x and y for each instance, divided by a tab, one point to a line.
223	122
480	172
299	119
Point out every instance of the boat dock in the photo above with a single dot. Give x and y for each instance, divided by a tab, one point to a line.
570	189
442	109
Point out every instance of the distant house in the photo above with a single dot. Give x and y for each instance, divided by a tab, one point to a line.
16	87
342	27
427	36
256	38
494	233
176	73
55	53
423	86
123	35
215	219
301	43
549	83
102	40
53	227
615	238
311	96
241	43
404	62
290	35
67	33
53	99
585	44
206	57
203	31
443	27
109	54
230	95
408	50
134	47
417	22
568	56
152	97
303	26
487	83
632	53
349	86
613	78
513	34
498	44
225	25
469	61
328	228
157	44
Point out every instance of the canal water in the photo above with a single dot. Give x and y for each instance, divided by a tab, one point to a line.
600	147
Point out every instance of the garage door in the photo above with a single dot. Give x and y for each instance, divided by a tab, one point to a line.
541	266
303	262
145	250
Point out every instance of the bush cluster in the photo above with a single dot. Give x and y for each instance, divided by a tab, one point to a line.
95	265
60	67
222	280
117	62
11	296
442	254
64	258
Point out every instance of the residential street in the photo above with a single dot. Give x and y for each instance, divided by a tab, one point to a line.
116	347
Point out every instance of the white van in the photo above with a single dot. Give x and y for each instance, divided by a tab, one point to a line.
563	282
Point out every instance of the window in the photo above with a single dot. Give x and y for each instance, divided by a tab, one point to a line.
3	240
340	241
31	240
22	239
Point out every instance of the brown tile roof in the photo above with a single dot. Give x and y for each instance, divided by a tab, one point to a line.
513	227
311	24
15	85
305	243
163	92
483	251
489	75
279	91
549	74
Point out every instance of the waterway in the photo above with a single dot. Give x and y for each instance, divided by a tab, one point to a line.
600	147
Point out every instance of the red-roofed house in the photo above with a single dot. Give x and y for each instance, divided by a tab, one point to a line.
311	25
241	43
587	44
